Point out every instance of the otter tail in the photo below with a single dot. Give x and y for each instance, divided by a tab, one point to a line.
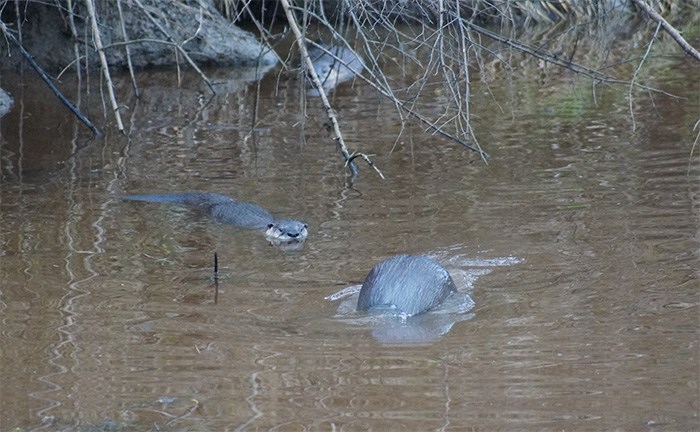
204	199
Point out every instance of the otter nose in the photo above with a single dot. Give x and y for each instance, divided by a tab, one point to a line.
293	235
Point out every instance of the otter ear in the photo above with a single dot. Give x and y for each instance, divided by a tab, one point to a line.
306	226
270	225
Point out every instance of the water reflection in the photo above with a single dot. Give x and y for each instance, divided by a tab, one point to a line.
287	245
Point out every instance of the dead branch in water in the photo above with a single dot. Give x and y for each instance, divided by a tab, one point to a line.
696	127
97	39
91	19
675	34
379	81
179	48
74	34
636	72
125	36
448	30
8	34
332	116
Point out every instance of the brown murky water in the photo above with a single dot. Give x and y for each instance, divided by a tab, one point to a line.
579	241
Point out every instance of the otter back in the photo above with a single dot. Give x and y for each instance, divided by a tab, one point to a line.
243	214
282	232
409	284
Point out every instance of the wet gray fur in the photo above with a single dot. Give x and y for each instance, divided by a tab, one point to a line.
335	64
225	209
408	284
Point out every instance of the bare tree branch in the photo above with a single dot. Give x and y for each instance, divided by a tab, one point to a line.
8	34
675	34
103	62
177	45
125	36
332	116
636	72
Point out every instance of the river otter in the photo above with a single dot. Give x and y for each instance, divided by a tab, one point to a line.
228	210
334	65
408	284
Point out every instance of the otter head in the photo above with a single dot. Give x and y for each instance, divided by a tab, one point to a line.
287	231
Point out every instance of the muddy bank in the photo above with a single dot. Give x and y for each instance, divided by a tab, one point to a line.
56	36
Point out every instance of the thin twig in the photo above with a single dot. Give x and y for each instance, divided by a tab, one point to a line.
216	278
366	159
403	106
695	144
97	38
636	72
554	59
125	36
47	80
180	49
76	46
464	37
675	34
332	116
544	55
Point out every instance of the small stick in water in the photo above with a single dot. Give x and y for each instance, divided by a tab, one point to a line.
216	278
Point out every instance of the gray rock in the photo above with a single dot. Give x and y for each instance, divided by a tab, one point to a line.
203	32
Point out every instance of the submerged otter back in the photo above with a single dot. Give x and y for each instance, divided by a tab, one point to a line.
243	214
228	210
220	207
409	284
200	199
